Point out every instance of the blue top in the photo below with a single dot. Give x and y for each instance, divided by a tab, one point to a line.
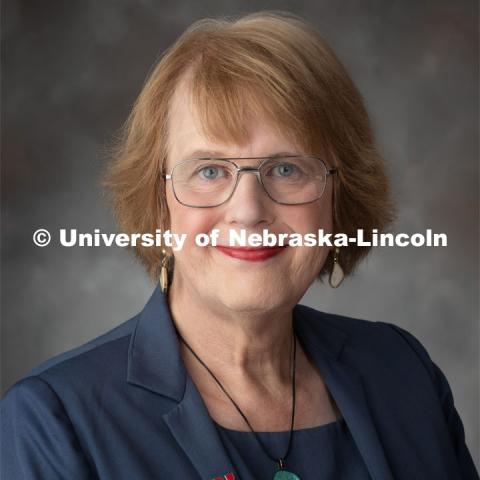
327	452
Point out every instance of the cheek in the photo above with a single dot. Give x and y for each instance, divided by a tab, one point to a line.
308	261
309	218
189	220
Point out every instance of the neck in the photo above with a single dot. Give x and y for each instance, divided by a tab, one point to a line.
243	346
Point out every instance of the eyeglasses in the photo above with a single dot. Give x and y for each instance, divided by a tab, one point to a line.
288	180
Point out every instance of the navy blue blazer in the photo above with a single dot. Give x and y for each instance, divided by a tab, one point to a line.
124	407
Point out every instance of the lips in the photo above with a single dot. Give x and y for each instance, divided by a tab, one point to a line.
251	254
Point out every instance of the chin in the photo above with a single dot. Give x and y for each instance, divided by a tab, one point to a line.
243	297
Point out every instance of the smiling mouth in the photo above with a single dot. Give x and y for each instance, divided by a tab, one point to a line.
251	254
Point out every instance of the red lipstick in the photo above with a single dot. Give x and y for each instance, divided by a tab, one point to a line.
251	254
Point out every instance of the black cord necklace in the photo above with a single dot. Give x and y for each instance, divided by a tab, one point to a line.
281	473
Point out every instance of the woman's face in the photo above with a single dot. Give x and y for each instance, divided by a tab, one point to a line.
219	279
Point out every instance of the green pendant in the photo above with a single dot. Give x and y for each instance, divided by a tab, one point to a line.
285	475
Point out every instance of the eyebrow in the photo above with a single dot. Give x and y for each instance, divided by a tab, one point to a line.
218	154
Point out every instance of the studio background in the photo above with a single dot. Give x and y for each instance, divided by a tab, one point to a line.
71	72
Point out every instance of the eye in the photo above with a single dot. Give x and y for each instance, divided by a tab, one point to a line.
213	172
285	169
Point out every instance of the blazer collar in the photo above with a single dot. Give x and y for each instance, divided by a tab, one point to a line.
154	360
155	363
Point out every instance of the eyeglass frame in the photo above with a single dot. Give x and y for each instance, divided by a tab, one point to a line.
256	170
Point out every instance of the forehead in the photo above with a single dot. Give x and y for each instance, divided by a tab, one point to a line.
187	136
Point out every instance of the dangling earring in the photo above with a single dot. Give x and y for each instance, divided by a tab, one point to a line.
164	272
336	275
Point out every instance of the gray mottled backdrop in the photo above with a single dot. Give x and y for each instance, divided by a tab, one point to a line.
71	73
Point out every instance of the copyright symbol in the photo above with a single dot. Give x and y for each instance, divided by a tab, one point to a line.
42	237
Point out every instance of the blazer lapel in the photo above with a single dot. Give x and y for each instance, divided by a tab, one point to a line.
324	343
196	433
155	363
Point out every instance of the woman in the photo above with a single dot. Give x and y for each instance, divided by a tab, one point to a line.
246	125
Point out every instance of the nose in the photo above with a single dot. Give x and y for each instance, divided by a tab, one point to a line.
249	204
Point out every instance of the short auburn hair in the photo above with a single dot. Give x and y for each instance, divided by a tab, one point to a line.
272	64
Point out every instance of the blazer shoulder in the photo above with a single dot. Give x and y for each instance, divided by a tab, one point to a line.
371	337
86	359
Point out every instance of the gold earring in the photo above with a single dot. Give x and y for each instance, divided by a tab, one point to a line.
336	275
164	272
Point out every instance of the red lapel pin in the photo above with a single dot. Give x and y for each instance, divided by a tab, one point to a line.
227	476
